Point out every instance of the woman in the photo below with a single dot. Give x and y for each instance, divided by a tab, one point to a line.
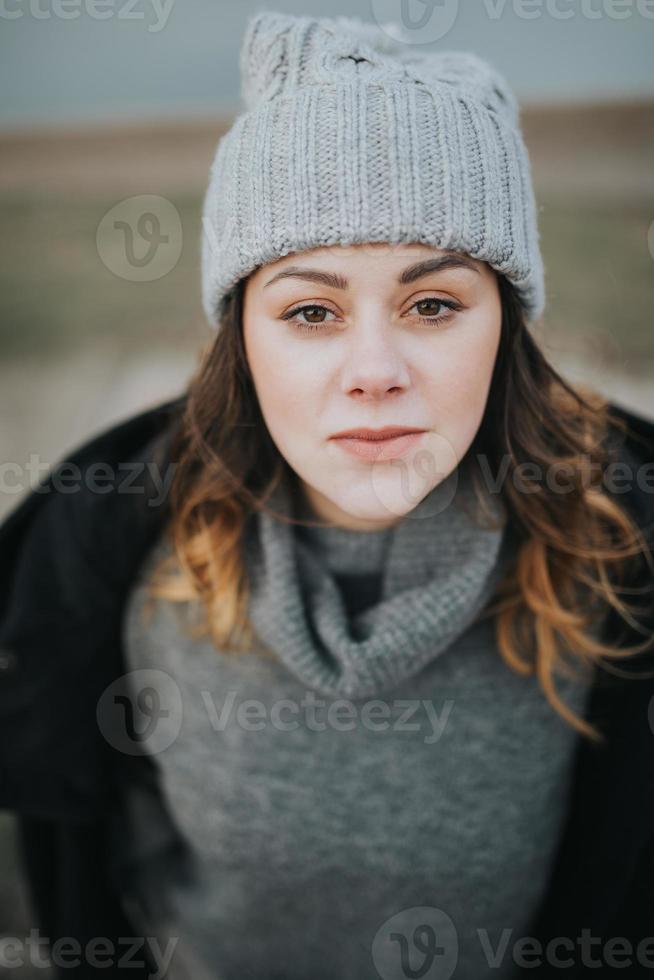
348	704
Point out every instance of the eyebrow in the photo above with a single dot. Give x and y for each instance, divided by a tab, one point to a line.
409	275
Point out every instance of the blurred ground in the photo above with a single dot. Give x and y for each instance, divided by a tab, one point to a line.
83	347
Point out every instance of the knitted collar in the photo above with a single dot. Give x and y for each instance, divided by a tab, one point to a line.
439	569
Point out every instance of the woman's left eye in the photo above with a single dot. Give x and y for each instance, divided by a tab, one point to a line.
433	318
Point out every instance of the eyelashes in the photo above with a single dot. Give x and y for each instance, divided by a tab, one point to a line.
435	320
293	316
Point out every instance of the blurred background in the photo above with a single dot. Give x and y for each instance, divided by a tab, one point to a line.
111	117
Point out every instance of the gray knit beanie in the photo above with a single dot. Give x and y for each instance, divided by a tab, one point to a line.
349	136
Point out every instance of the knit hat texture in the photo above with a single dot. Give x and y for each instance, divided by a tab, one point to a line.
351	135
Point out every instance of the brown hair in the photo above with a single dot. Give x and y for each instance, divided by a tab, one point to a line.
574	549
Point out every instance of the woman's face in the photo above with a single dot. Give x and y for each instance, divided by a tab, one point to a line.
369	336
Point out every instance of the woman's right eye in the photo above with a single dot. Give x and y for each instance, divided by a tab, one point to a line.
309	309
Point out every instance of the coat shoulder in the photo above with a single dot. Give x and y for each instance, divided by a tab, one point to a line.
69	552
103	481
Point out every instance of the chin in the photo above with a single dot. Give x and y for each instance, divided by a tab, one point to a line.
381	501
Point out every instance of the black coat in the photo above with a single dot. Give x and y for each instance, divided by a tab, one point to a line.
68	560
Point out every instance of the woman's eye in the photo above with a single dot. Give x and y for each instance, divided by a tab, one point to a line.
314	314
428	309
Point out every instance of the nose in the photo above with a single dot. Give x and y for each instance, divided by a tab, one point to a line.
374	366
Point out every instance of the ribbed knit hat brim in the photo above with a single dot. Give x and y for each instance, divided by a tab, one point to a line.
346	142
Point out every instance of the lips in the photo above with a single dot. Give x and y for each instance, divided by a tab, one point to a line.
376	448
386	432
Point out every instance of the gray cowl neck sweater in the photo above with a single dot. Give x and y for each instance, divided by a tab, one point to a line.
396	777
436	569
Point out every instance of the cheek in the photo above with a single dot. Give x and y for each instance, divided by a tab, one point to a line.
460	368
286	380
459	382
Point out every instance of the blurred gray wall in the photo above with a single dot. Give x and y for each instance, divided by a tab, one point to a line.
60	61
